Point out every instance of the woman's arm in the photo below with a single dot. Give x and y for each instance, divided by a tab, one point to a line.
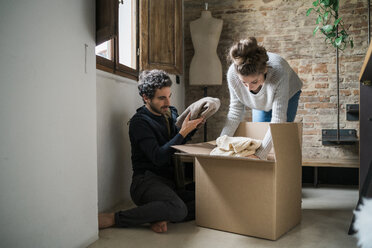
236	108
279	114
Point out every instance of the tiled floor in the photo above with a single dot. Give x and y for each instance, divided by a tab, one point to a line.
326	217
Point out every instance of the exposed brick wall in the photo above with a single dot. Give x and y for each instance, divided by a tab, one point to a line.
283	28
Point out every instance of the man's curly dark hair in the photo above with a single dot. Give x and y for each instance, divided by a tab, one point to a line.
150	81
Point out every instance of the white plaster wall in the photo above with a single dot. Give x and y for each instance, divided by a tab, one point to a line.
48	145
117	101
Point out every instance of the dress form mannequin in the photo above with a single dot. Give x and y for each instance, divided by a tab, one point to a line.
205	67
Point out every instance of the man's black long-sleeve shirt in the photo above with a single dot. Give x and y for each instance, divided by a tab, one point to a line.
151	142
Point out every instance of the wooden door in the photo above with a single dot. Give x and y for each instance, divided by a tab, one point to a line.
161	35
365	116
106	20
365	119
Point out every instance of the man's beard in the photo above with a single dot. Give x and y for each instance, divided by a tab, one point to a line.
158	111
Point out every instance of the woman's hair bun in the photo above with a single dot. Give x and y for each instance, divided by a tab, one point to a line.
248	52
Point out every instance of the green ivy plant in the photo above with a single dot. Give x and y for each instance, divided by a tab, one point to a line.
330	24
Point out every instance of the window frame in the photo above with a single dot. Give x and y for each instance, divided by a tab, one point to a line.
113	65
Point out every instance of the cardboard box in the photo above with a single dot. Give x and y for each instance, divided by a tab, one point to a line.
258	198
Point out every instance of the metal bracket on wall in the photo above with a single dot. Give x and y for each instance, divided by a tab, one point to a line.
339	137
352	112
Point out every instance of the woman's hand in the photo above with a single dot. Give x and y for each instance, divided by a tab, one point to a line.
188	126
270	157
253	156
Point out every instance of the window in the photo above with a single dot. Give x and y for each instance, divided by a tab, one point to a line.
128	34
119	54
105	50
122	51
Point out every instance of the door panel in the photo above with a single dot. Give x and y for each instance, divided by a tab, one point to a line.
365	116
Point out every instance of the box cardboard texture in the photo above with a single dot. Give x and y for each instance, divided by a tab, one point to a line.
258	198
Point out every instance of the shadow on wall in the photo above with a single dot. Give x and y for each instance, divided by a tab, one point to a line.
119	158
117	102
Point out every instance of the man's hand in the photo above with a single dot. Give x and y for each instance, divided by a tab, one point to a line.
202	123
188	126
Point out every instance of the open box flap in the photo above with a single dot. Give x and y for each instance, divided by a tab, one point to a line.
196	149
254	130
287	146
286	140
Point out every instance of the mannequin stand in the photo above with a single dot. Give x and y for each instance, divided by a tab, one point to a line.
205	124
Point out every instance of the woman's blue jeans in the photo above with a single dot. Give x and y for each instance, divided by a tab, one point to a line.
263	116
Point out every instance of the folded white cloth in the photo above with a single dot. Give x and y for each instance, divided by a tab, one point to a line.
235	146
205	107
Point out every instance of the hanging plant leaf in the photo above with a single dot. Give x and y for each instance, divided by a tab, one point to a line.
332	35
315	30
335	5
309	11
338	40
325	3
327	13
337	21
327	28
318	20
